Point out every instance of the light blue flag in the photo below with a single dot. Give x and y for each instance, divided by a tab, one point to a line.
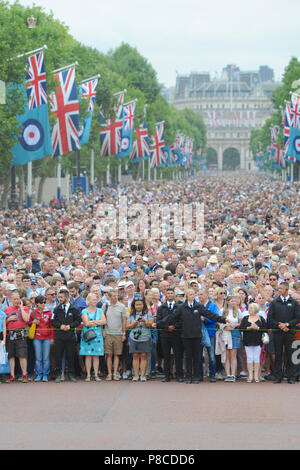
35	140
167	157
87	91
84	131
293	153
126	143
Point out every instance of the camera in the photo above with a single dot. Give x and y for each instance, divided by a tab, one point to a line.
137	334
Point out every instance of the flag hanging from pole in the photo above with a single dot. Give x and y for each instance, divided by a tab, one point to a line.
110	137
157	146
35	140
65	106
88	91
141	146
128	115
36	80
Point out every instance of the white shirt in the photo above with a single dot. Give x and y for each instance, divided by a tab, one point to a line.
233	319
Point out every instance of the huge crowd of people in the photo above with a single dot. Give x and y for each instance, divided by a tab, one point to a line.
79	303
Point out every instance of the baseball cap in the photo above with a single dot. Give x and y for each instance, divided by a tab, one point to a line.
178	292
11	287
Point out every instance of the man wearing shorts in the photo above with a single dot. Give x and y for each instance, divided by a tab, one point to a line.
114	333
16	343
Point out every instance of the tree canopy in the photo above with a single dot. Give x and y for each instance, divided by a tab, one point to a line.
121	68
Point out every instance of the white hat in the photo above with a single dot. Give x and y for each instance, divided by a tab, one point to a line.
11	287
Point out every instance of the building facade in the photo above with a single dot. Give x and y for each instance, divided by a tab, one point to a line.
231	106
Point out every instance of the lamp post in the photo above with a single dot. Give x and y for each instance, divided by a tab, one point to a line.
14	203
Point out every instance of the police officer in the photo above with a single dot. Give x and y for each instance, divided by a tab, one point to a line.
187	318
284	314
169	337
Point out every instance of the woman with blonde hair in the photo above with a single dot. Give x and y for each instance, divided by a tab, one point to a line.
253	326
232	312
219	298
93	318
180	270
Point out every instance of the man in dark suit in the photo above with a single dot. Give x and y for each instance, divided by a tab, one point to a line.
66	317
169	337
187	317
283	316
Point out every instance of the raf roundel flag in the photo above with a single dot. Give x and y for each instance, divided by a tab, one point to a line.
35	140
293	152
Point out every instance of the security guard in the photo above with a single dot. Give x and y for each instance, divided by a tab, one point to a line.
187	318
284	314
169	337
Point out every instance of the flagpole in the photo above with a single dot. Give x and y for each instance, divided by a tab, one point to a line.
119	172
90	79
65	67
92	169
120	92
45	47
29	184
292	173
129	102
108	174
78	185
59	179
14	203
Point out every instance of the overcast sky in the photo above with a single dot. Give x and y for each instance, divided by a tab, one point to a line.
188	35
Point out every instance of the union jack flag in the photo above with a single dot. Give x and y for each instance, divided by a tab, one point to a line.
89	90
141	147
119	106
110	138
157	155
288	122
295	111
36	81
274	133
102	117
128	116
65	106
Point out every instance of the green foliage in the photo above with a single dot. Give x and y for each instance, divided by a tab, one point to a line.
122	68
260	139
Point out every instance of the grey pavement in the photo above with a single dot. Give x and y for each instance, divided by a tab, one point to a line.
127	416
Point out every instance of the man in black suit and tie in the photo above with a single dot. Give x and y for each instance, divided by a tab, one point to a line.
66	317
283	316
170	337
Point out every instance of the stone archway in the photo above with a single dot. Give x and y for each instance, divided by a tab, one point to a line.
211	158
231	159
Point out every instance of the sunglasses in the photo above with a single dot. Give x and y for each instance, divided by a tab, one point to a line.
42	302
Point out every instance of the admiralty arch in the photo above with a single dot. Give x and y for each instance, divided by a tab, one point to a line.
231	105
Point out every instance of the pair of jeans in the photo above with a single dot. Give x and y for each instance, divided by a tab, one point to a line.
42	356
211	358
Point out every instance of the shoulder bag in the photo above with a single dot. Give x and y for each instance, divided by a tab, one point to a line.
89	335
32	329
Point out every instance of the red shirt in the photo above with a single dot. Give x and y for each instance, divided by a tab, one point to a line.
45	329
18	324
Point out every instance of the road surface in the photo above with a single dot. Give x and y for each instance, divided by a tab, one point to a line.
153	415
